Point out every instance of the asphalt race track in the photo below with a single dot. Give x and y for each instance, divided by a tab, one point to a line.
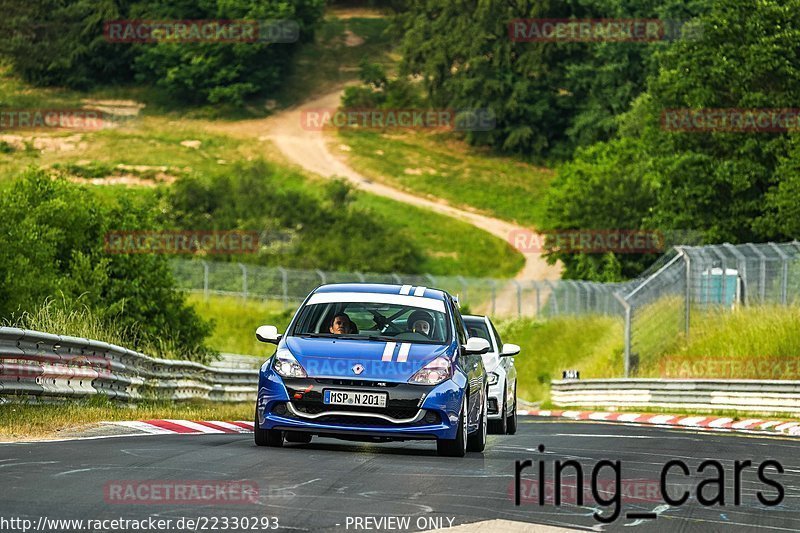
326	485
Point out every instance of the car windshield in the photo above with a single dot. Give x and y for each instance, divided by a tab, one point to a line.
376	321
477	328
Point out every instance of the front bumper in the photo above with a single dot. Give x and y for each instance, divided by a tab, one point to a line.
411	412
495	399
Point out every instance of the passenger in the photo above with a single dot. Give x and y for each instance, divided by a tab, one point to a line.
420	322
342	324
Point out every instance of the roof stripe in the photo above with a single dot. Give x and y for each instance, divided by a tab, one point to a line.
420	291
405	289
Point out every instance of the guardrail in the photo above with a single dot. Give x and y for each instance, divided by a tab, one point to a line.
35	364
757	396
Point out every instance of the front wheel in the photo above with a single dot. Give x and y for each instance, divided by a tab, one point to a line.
477	441
511	421
267	437
456	447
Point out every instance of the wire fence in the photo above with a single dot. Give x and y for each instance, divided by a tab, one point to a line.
657	308
690	281
498	297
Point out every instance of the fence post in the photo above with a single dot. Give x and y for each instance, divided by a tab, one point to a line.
553	297
538	299
494	294
627	307
244	279
284	286
397	278
431	279
763	272
784	271
321	275
205	280
688	292
360	276
519	297
463	286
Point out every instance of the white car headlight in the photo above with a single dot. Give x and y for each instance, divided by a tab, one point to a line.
493	378
287	366
433	373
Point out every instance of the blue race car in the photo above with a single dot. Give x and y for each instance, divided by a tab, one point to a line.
374	362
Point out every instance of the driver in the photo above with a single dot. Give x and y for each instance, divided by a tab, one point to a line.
342	324
420	322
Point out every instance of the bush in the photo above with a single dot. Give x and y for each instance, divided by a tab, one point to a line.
52	236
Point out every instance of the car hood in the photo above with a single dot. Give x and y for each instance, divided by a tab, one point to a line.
357	359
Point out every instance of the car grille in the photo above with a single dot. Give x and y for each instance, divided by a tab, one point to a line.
314	408
356	383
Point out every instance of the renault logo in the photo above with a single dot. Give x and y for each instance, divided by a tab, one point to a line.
357	369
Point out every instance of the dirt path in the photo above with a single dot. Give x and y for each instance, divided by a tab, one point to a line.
309	150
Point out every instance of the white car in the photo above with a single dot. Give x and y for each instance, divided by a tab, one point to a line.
499	363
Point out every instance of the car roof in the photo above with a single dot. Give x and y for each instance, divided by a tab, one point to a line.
383	288
474	318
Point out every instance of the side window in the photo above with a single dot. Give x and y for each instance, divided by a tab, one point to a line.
460	330
497	336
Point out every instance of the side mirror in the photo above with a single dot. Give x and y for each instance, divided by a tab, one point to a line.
509	350
476	346
268	334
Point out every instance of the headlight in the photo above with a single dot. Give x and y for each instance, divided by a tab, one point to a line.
433	373
493	378
287	366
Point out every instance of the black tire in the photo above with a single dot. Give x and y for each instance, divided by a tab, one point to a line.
511	421
476	442
267	437
298	438
499	426
456	447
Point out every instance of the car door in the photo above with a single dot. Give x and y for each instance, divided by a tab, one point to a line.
508	366
473	367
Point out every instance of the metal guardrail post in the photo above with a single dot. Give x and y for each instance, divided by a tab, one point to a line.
205	280
784	272
627	306
284	286
244	280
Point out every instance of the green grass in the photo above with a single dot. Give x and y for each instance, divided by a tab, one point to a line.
236	320
591	344
441	165
750	343
21	421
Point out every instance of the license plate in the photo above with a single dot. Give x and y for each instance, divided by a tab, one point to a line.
345	397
